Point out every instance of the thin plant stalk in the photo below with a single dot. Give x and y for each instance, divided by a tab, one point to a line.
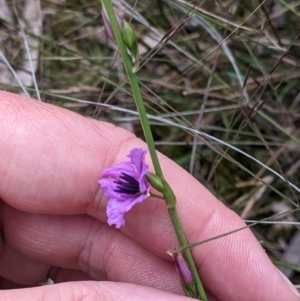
132	78
169	197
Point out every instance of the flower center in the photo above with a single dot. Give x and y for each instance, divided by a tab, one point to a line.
127	184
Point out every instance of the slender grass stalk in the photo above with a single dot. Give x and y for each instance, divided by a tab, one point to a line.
132	78
168	193
286	265
289	7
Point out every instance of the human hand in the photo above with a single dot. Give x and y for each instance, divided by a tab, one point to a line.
53	221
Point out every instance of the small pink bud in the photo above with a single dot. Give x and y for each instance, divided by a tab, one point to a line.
183	269
107	26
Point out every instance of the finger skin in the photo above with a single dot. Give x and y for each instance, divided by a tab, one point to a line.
90	291
18	268
80	242
57	173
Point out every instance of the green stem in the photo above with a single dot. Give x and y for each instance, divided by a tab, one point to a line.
157	196
134	87
187	253
168	193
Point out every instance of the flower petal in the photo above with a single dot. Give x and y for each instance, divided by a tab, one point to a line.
117	208
123	192
137	157
114	215
115	171
109	188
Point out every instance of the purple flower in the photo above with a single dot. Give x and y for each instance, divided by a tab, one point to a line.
126	185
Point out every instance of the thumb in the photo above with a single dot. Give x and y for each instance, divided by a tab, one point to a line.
90	291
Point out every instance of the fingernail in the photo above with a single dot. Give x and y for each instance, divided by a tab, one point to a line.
290	284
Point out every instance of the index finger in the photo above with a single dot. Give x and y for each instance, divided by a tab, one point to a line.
53	159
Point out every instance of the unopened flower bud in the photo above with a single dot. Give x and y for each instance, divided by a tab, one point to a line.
183	269
131	44
155	181
128	36
129	39
107	26
162	186
169	196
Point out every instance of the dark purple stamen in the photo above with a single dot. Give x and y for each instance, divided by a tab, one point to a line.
127	185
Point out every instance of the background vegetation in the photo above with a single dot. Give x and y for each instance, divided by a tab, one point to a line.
220	80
